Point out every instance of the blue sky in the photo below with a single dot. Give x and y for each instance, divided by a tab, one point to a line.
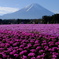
9	6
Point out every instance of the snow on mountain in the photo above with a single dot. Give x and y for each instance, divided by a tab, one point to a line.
33	11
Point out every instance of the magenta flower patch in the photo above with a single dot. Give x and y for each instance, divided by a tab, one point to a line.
18	42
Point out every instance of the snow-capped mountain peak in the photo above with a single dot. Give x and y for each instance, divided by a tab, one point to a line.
29	8
34	5
33	11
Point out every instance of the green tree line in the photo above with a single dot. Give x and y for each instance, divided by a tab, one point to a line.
45	20
51	19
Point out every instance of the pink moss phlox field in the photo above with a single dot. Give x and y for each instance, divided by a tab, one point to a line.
51	29
16	43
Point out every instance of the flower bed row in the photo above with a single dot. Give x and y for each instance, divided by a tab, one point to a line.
22	45
51	29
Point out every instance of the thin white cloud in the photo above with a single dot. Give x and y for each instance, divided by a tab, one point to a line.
5	10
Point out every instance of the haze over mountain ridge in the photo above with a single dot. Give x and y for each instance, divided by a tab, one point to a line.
33	11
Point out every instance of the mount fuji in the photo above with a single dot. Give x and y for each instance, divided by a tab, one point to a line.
33	11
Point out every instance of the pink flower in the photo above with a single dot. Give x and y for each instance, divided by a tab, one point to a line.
38	47
7	44
54	53
38	57
32	41
37	41
20	49
44	41
22	52
16	55
33	58
0	58
4	55
43	44
11	53
43	55
15	44
1	49
29	45
51	43
57	43
54	56
58	46
53	49
40	51
25	57
32	50
46	47
31	54
14	51
21	45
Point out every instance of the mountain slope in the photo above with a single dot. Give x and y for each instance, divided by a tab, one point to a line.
33	11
